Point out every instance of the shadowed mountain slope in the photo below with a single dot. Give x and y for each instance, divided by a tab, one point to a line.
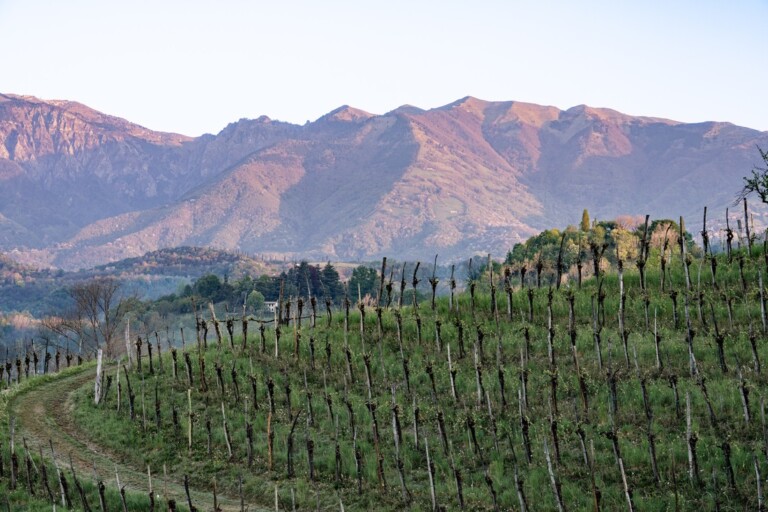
78	187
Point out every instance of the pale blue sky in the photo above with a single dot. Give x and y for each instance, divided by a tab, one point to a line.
192	67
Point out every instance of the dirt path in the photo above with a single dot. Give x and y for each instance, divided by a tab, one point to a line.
44	413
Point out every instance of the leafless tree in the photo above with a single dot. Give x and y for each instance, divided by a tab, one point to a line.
758	183
99	307
67	326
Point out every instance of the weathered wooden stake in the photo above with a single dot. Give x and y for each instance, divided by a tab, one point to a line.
692	439
358	461
186	490
433	282
431	473
270	441
190	377
289	446
759	484
189	420
744	392
627	488
553	480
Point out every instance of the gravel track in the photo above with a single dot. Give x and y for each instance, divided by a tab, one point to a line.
44	413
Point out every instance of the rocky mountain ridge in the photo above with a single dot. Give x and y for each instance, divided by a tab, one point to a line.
80	188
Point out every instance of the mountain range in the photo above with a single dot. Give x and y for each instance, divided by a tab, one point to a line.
80	188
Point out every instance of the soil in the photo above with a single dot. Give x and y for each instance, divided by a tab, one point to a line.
44	413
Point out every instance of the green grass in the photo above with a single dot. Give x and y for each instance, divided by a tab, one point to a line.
140	443
19	499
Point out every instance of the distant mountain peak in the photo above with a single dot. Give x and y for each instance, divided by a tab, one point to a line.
406	109
468	103
611	116
32	127
346	113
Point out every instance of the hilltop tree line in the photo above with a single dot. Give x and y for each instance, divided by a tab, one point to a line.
96	310
594	244
301	280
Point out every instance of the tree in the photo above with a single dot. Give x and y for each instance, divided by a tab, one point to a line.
243	286
331	283
668	229
625	243
287	281
545	246
268	286
68	326
255	300
99	307
758	183
584	226
364	277
305	278
208	286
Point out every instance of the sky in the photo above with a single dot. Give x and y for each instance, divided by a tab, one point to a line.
192	67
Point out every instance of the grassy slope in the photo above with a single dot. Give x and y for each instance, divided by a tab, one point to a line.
139	442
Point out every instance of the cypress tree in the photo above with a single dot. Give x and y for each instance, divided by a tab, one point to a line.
584	220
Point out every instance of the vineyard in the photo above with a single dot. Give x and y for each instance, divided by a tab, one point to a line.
638	388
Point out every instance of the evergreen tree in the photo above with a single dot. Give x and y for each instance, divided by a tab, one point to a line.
302	276
331	283
289	280
268	286
584	220
367	280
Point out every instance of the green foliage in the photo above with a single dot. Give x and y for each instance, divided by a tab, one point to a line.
543	250
140	442
152	315
494	337
758	183
303	279
612	239
332	286
544	246
365	280
268	286
255	300
211	289
585	225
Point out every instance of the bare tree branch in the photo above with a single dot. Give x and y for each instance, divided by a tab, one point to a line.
758	183
99	307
